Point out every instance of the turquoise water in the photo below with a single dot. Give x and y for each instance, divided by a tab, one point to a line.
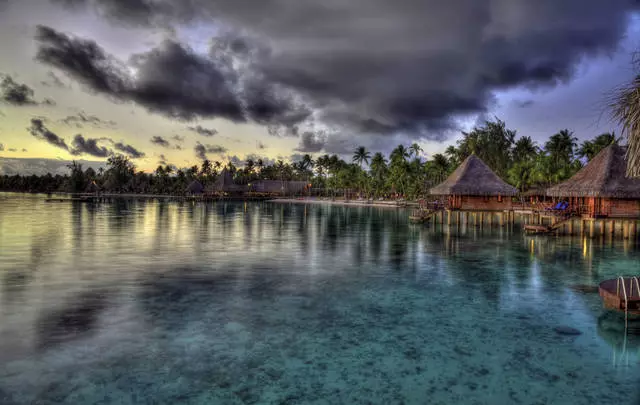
138	302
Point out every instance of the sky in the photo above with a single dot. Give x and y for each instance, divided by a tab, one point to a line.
176	81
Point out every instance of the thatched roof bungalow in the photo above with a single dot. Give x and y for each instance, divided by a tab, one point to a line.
225	184
601	188
474	186
194	188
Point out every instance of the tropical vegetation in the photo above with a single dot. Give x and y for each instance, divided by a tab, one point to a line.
404	172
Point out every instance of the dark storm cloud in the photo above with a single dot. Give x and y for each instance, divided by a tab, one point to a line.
89	146
202	150
311	142
81	119
178	138
160	141
203	131
409	66
14	93
162	160
129	150
40	131
171	79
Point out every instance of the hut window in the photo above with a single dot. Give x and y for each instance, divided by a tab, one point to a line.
487	198
499	198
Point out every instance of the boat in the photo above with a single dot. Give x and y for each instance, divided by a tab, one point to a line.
621	294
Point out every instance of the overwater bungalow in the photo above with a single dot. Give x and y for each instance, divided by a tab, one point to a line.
473	186
224	184
195	188
601	188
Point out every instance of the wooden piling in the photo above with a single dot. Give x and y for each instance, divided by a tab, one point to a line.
625	230
592	228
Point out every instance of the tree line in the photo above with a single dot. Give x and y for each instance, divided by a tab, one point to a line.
518	160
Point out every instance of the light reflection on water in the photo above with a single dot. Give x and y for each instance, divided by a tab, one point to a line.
166	302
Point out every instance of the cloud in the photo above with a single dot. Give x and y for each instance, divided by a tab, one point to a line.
24	150
81	119
53	80
311	142
202	150
129	150
14	93
523	103
202	91
1	147
41	166
261	145
40	131
220	84
89	146
162	160
266	161
13	150
239	162
365	66
160	141
203	131
178	138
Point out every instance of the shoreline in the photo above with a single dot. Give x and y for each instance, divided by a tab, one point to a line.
352	203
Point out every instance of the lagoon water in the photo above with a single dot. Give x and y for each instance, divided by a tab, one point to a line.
150	302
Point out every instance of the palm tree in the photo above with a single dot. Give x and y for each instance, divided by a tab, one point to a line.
525	149
561	147
415	149
400	153
260	165
626	110
361	155
307	162
249	166
206	168
589	149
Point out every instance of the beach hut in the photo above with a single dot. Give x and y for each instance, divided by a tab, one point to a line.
195	188
601	188
225	184
473	186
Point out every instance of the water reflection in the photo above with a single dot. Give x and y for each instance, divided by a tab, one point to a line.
280	301
624	343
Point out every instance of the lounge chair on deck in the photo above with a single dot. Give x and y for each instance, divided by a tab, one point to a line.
555	207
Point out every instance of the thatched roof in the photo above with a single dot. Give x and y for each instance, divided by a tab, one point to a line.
225	182
474	177
603	176
195	187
